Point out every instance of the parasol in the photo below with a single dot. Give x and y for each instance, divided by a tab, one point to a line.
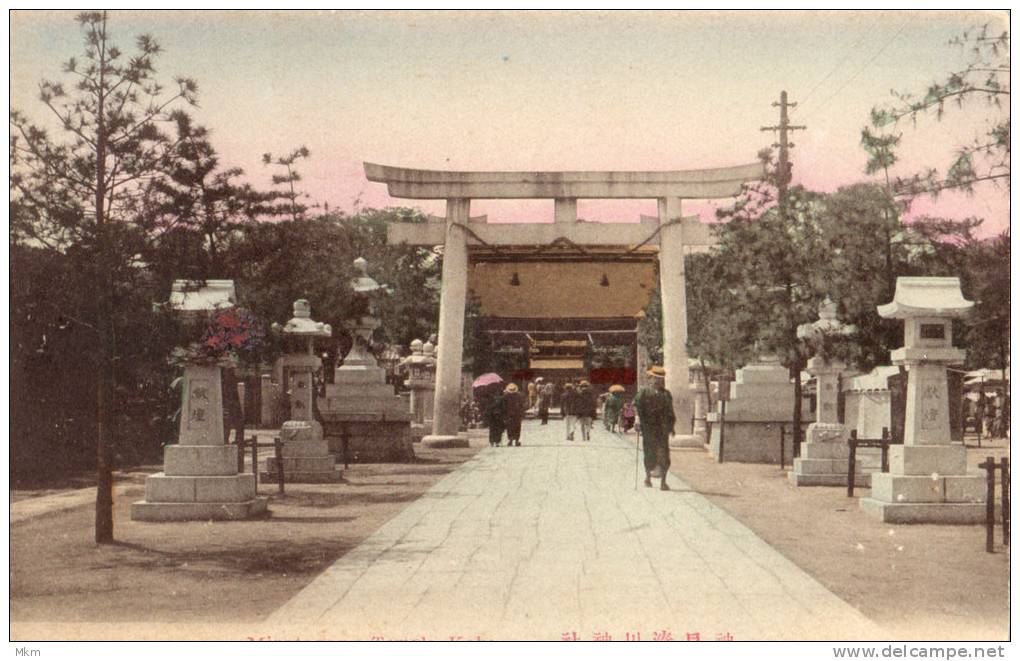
487	379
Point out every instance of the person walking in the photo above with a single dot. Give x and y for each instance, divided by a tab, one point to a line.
655	412
513	414
584	407
627	415
612	407
567	402
545	395
495	418
532	394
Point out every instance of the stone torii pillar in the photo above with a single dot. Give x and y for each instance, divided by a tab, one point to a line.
450	352
673	288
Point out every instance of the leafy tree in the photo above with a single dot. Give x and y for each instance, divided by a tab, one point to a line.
987	282
984	77
198	210
290	194
83	194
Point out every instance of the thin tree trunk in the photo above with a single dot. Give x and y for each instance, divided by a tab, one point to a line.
104	472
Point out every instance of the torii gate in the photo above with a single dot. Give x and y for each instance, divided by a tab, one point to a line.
565	188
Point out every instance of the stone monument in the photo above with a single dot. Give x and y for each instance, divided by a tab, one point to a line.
927	480
359	405
306	456
760	401
825	456
200	480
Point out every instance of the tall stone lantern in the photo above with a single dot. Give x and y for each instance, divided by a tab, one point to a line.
363	414
927	480
825	456
306	455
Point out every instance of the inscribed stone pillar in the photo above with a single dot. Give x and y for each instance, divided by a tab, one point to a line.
452	301
202	417
673	288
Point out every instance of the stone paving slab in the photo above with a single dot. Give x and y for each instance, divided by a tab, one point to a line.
555	537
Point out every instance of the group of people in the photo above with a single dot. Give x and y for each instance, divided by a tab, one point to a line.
505	413
652	405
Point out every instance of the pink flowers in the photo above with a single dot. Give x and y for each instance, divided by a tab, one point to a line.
231	330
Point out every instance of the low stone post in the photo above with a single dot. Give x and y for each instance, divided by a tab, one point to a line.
927	480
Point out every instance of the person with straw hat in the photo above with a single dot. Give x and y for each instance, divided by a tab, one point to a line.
513	414
655	413
612	407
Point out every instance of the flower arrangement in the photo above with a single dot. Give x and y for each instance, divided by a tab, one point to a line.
229	333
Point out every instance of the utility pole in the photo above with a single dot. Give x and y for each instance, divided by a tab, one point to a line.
783	176
784	169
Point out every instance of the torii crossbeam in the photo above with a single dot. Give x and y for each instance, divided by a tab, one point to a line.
670	232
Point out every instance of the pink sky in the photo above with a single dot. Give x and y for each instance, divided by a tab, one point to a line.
542	91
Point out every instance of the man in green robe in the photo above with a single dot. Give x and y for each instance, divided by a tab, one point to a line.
611	410
655	413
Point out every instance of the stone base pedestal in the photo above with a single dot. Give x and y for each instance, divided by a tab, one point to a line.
926	484
306	456
687	441
370	438
376	422
458	441
945	513
825	457
212	490
754	442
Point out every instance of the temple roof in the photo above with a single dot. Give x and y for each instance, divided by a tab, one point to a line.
198	296
562	289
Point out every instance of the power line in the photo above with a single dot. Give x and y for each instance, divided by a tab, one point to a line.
846	58
863	67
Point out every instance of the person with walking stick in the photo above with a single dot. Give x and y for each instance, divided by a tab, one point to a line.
655	413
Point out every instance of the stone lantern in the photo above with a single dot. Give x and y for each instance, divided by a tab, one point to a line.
699	387
420	369
429	372
360	406
927	480
306	455
825	454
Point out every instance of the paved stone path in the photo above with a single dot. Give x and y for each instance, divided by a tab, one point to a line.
553	538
